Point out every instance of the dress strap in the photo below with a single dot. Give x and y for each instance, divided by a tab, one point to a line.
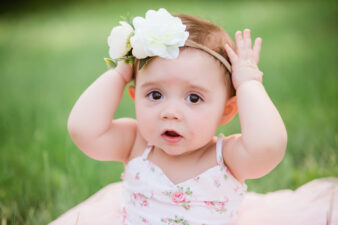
147	151
219	154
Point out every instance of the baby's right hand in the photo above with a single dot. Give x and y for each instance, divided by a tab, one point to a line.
125	70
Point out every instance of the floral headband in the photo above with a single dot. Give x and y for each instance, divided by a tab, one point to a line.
159	34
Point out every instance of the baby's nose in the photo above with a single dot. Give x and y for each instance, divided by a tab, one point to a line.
170	114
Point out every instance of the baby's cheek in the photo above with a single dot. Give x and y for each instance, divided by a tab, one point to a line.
203	126
147	124
146	121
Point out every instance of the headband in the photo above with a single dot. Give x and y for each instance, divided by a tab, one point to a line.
225	62
158	34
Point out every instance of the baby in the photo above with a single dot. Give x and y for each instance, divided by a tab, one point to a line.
189	77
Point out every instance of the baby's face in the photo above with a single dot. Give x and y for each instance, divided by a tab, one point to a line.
179	102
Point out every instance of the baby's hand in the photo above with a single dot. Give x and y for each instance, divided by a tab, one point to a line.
125	70
244	63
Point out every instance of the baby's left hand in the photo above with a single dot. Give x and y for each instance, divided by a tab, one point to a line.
244	63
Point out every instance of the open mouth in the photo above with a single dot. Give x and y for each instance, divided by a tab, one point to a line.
171	133
171	136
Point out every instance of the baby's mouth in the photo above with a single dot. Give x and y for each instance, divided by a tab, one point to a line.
171	136
171	133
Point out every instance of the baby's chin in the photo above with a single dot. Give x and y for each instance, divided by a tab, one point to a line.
177	151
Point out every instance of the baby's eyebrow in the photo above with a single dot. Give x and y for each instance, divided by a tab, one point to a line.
147	84
197	87
189	86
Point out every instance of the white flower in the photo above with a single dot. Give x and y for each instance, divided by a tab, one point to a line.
118	41
159	34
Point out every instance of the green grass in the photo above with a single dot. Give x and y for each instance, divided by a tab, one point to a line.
48	58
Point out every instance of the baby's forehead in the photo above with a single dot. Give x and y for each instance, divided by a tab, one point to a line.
197	53
187	69
189	60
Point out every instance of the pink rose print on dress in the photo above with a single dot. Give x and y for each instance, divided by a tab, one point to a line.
218	206
220	160
137	176
209	203
186	206
139	198
176	221
180	197
144	220
124	214
197	179
217	183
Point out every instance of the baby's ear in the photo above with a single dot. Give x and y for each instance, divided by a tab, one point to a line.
230	110
131	91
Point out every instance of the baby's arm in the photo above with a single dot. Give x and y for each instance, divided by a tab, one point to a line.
90	122
262	144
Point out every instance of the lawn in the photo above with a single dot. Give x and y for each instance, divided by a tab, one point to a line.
49	57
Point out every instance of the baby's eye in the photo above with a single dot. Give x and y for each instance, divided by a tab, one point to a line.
155	95
193	98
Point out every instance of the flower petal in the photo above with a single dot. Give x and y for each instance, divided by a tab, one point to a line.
118	40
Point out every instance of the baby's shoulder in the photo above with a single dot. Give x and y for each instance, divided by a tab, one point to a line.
230	141
139	146
233	153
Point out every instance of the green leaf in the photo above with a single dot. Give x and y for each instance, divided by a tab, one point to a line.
143	62
111	63
127	19
130	60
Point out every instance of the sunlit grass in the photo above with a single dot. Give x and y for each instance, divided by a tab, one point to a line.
48	59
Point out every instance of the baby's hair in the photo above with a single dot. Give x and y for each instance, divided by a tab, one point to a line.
210	35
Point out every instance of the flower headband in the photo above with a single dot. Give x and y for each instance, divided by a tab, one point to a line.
159	34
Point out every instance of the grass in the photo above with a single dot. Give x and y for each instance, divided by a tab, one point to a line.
48	58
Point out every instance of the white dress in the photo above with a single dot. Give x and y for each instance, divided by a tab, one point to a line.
150	197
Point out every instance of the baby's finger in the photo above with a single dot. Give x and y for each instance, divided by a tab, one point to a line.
247	38
239	42
232	55
257	49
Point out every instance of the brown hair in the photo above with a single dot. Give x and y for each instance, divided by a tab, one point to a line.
210	35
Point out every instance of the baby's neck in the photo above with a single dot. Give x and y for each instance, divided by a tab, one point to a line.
191	155
179	168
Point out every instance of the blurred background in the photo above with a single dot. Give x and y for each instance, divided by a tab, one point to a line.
52	50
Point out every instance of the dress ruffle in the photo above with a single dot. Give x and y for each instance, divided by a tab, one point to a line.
314	203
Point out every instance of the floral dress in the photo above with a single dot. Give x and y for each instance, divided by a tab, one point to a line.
150	197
